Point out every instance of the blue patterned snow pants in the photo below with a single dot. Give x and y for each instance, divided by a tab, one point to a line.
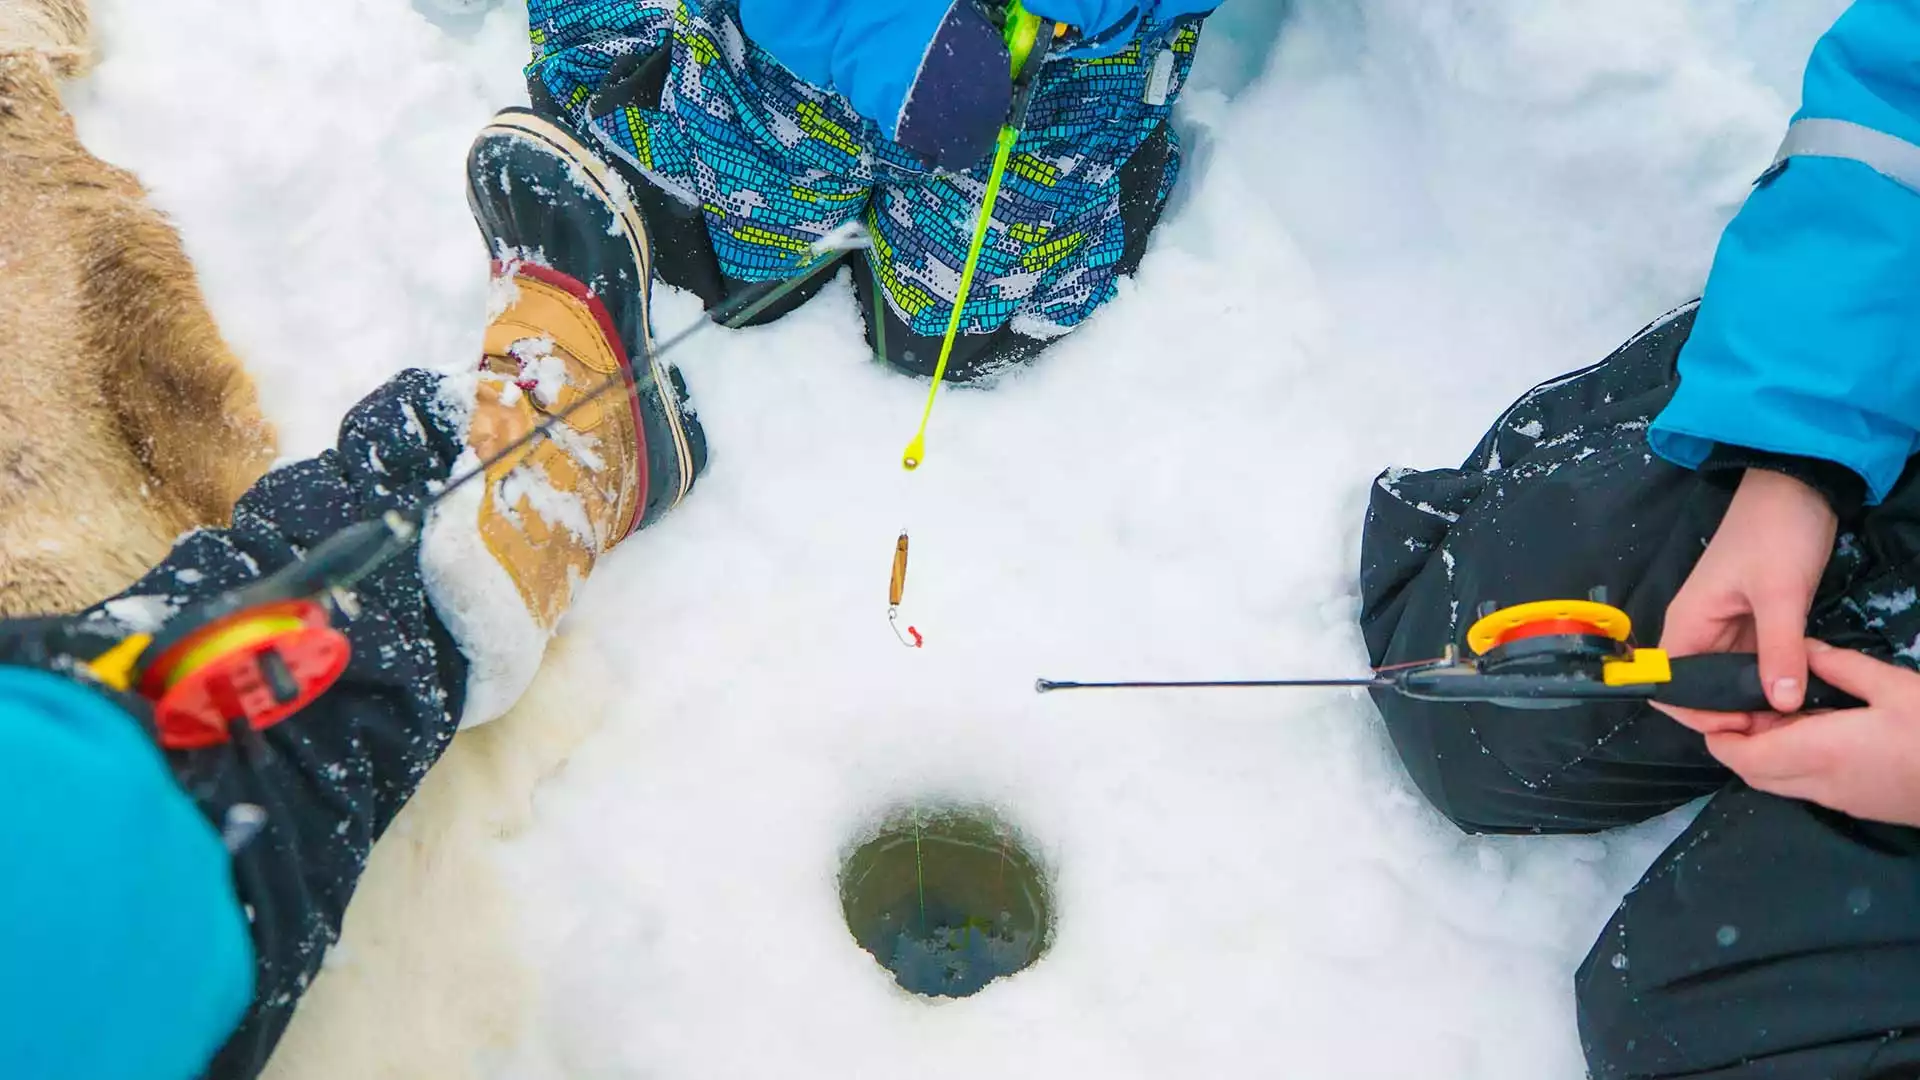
678	95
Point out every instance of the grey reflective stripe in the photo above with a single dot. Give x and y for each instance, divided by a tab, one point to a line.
1894	158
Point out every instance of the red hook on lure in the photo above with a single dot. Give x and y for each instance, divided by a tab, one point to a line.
897	590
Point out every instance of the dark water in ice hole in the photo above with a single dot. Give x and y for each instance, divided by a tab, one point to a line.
947	901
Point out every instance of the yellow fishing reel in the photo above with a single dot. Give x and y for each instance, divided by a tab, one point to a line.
1554	653
1569	629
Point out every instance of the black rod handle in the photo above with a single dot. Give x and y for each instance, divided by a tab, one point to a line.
1730	682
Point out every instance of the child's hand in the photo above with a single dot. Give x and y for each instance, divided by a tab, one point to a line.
1753	588
1863	762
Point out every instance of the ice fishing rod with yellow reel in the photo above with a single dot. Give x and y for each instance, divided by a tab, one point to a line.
248	659
1549	654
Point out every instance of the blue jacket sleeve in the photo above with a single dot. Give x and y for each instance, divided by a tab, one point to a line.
1805	340
934	75
1107	27
126	951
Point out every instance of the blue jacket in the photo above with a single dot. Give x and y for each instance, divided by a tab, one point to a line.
123	951
1808	337
933	74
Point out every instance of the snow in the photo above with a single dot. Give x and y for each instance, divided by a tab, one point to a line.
1399	215
539	366
1894	603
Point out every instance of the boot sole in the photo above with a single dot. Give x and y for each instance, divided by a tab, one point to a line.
566	146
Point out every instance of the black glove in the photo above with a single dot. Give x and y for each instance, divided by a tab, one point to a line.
65	645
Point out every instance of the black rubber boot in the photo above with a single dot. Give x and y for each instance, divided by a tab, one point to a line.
541	196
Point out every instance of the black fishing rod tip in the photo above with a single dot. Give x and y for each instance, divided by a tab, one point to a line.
1041	686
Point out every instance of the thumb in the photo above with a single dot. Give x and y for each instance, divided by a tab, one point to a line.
1857	673
1780	630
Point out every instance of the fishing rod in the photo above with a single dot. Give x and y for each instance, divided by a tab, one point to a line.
1550	654
1030	41
247	659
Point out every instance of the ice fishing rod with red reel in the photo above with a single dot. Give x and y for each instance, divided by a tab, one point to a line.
1548	654
248	659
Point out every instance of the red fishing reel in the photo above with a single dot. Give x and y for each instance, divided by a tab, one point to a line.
257	666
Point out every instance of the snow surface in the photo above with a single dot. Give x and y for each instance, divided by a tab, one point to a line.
1400	214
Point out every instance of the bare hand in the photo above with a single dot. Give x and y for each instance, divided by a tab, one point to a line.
1752	590
1863	762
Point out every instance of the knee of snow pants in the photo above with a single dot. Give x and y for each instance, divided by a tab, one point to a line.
1561	496
333	776
1773	939
1123	225
1761	944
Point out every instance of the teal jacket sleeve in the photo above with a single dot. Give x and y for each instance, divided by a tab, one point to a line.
934	76
870	52
126	952
1807	341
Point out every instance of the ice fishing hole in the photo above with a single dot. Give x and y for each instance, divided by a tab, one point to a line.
947	899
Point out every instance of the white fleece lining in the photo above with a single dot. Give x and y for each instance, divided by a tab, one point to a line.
479	604
472	593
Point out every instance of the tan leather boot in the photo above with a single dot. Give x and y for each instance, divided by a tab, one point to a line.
554	506
572	278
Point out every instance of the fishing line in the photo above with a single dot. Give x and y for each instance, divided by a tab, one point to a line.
731	314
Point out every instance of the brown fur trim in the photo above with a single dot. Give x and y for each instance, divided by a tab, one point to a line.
124	418
59	30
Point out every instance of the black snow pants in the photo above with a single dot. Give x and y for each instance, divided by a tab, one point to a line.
1774	938
332	777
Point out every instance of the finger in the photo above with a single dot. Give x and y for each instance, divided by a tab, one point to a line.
1780	630
1803	759
1771	761
1708	723
1767	721
1739	637
1707	617
1756	764
1695	624
1861	675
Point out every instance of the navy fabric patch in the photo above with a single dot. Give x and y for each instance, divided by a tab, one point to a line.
959	100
